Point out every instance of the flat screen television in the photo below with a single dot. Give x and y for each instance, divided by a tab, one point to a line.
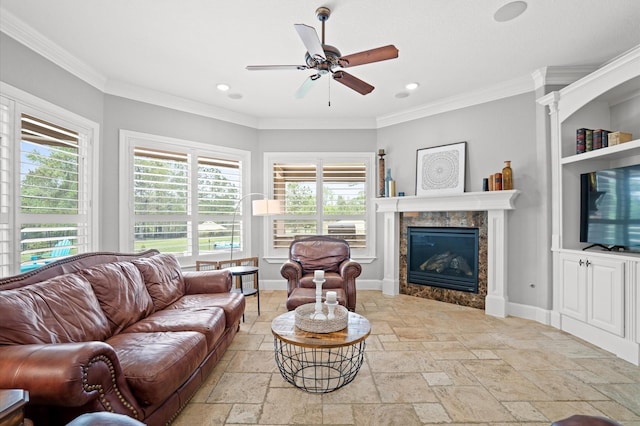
610	208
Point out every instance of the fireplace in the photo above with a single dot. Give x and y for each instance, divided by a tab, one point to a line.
433	281
486	211
445	257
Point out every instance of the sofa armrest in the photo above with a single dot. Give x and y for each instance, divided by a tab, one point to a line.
69	374
292	271
214	281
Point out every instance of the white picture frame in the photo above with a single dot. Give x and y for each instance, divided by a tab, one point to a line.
440	170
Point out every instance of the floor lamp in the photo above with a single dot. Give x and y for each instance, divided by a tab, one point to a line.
264	207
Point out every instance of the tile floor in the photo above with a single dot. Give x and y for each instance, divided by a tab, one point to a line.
426	362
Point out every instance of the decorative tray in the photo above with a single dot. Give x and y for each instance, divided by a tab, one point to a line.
306	323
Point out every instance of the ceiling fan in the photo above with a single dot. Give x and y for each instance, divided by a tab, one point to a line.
327	59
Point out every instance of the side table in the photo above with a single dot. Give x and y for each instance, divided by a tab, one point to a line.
319	362
241	271
12	402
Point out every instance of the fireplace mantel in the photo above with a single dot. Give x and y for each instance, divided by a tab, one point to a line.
466	201
495	203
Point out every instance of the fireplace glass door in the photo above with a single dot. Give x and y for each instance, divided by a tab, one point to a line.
445	257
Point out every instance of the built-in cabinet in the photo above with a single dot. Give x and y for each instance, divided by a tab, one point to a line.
596	294
592	290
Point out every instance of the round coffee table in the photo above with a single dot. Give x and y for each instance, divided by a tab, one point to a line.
319	362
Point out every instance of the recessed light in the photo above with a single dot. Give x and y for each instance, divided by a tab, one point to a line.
412	86
235	95
223	87
510	11
402	95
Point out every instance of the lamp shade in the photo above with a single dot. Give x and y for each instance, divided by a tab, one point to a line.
266	207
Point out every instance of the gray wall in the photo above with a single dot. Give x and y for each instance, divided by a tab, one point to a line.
125	114
317	141
28	71
495	131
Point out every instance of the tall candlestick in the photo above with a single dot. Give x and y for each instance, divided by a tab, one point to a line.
381	154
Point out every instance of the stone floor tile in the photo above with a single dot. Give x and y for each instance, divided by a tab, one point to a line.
252	361
249	388
471	404
400	361
203	414
504	383
403	387
557	410
337	414
385	415
562	386
244	413
524	411
284	413
431	412
438	379
627	394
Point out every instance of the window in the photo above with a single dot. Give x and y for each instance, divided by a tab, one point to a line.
182	196
321	194
46	184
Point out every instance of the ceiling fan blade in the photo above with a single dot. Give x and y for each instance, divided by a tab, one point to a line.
310	39
353	82
306	86
368	56
276	67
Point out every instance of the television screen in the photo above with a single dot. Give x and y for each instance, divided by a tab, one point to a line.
610	207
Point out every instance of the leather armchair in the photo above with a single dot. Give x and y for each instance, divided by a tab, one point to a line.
333	256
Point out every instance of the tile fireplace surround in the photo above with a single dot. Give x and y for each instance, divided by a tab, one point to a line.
496	204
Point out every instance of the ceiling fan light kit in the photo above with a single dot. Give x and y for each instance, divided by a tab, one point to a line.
325	59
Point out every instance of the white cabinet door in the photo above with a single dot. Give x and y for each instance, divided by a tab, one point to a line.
573	291
605	294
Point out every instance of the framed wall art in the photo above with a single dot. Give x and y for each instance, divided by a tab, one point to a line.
441	169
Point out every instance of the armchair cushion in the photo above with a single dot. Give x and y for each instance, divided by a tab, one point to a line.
319	254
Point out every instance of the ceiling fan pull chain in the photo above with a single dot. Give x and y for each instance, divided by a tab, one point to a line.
329	85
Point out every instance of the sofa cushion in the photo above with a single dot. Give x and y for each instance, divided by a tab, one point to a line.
233	304
120	289
208	321
162	277
157	364
61	310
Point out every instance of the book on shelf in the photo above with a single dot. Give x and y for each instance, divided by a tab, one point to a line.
600	138
588	139
581	135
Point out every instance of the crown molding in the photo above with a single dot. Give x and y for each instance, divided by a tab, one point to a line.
317	123
23	33
154	97
506	89
560	75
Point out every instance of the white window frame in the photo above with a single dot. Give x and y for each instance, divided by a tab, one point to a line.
131	139
19	102
365	255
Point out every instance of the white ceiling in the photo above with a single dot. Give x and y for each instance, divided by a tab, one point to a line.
179	50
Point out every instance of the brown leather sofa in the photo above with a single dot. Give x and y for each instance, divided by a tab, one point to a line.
333	256
123	333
